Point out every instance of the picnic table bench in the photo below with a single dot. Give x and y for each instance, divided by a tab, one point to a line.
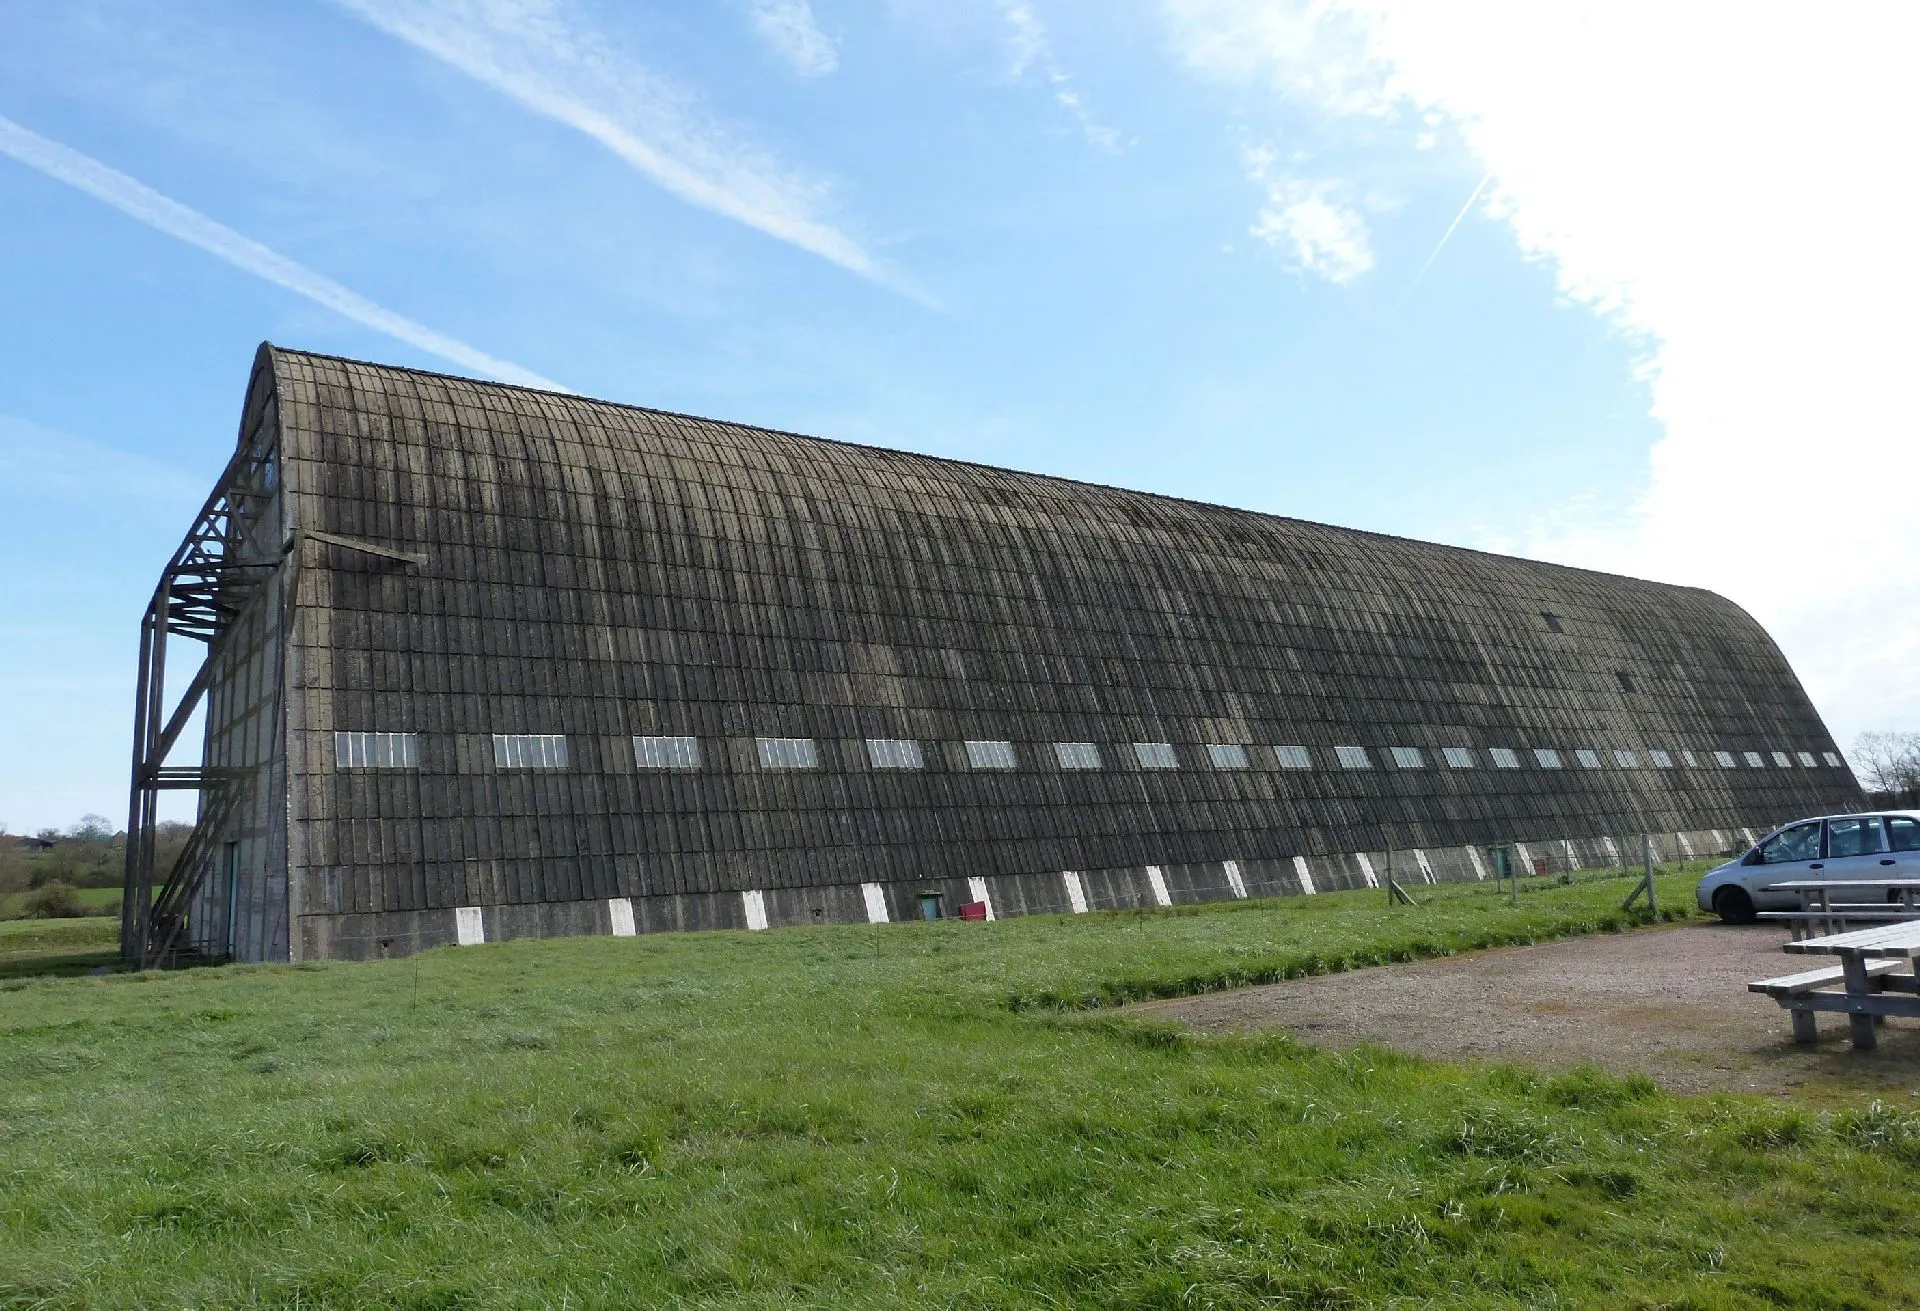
1873	982
1820	915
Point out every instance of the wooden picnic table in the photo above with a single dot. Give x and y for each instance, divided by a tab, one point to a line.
1819	914
1868	972
1812	890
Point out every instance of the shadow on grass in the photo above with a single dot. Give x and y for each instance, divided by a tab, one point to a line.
23	965
59	949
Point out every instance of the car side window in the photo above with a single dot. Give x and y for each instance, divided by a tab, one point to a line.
1857	835
1801	842
1903	832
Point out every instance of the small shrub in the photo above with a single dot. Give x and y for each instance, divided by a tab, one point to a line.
52	901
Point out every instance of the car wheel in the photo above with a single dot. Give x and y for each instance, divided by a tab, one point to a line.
1733	905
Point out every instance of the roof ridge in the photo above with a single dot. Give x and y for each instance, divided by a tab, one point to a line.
579	397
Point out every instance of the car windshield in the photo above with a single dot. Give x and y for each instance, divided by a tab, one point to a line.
1856	835
1801	842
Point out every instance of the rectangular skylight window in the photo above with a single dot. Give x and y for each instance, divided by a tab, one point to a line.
1155	755
787	753
1782	760
666	752
894	753
1504	757
1588	758
990	755
1690	760
1352	757
1626	759
1076	755
1754	759
1661	760
1833	761
1293	758
1227	757
529	751
1458	757
1725	760
1407	758
1806	760
376	750
1547	757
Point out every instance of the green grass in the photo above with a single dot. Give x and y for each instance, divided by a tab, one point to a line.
914	1115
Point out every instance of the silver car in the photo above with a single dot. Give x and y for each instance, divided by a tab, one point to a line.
1836	847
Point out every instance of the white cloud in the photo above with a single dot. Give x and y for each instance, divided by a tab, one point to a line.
1098	134
534	52
1306	221
1029	48
789	29
176	220
1727	186
1310	50
1026	37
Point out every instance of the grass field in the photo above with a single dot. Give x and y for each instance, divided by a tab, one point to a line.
943	1115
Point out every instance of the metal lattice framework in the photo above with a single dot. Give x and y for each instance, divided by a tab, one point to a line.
211	579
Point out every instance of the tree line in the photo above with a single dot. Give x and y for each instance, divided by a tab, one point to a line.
43	880
1888	767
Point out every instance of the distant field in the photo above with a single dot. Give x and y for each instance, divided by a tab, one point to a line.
95	899
915	1115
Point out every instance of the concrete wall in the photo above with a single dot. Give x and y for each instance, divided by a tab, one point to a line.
399	933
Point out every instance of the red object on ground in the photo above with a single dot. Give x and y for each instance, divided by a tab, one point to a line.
973	910
1539	865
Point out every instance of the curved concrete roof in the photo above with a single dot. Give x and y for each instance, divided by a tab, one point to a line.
604	571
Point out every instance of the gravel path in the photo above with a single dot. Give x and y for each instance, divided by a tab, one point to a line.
1671	1003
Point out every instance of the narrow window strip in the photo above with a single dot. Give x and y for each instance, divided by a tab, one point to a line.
375	750
894	753
1155	755
990	755
666	752
1077	755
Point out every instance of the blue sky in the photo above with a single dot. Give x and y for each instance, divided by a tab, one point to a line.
1193	247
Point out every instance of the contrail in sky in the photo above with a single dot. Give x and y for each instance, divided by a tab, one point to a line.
535	52
1485	178
132	198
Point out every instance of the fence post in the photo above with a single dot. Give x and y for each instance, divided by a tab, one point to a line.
1645	885
1394	891
1646	839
